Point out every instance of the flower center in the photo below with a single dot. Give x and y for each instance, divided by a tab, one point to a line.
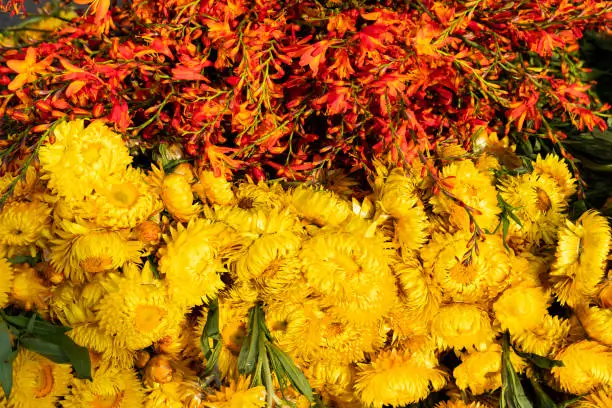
96	264
543	200
462	274
123	195
148	317
92	152
108	401
46	381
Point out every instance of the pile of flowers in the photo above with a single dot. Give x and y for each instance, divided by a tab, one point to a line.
285	89
191	291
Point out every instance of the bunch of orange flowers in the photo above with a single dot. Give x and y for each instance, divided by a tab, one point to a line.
285	89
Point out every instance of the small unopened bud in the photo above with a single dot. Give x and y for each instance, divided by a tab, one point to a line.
142	358
159	369
149	233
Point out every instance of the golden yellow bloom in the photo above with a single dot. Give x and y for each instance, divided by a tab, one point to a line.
38	382
308	332
597	323
582	251
480	371
486	163
397	195
6	281
351	273
462	325
137	312
176	388
81	157
587	365
237	395
411	230
418	294
270	263
331	379
29	290
545	339
217	190
474	189
459	404
599	398
233	321
80	253
24	187
394	378
25	225
461	280
178	198
122	201
111	350
540	206
521	308
112	387
555	168
527	269
261	196
190	263
320	207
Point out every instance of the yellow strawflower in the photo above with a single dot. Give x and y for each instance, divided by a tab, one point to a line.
25	226
190	262
411	230
237	395
320	207
587	365
122	201
351	273
77	158
599	398
472	187
521	308
397	195
462	325
215	190
597	322
37	382
80	253
111	387
417	292
6	281
396	378
466	280
581	254
178	198
29	290
555	168
540	206
137	312
545	339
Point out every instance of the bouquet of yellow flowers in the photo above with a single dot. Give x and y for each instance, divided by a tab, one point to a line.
169	286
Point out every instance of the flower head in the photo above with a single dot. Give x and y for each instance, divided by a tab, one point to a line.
462	325
394	378
555	168
80	158
521	308
6	281
237	394
587	365
38	382
25	225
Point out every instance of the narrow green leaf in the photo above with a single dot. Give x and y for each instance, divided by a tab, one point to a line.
513	394
542	399
45	348
211	334
78	356
6	362
20	259
250	348
540	361
296	376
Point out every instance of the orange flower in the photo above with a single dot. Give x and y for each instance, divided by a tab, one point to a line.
27	69
100	6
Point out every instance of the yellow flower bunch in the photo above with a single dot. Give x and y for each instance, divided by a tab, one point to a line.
371	299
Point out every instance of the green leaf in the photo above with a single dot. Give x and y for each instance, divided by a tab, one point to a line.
211	331
542	399
35	324
513	394
20	259
78	356
45	348
540	361
247	359
6	361
295	375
